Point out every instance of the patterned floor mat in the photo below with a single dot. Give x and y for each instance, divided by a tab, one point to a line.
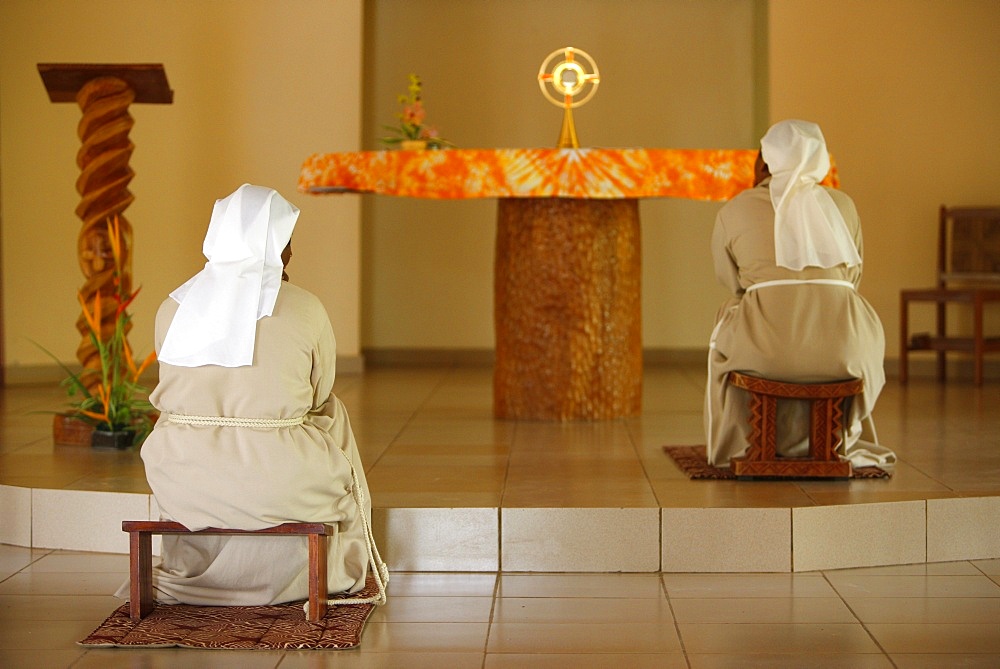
277	627
692	461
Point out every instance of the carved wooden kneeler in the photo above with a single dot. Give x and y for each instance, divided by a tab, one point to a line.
826	428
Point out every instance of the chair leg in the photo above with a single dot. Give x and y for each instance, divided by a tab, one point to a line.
978	345
140	551
318	546
904	341
942	371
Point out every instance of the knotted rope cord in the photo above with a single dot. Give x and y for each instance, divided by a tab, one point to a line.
379	568
792	282
226	421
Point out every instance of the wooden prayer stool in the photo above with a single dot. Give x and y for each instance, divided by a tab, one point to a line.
141	533
826	428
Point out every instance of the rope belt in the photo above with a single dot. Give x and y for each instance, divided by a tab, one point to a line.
225	421
791	282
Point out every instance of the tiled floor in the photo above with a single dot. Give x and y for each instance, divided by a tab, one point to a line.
941	615
428	440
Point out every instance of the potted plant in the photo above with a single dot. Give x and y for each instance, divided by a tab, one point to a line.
412	133
111	399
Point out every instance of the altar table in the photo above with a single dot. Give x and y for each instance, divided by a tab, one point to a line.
567	270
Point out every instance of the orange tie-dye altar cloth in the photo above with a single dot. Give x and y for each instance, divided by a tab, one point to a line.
697	174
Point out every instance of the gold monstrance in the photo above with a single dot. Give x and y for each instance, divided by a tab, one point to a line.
561	82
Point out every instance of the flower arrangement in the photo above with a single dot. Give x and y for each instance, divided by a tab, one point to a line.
411	126
111	398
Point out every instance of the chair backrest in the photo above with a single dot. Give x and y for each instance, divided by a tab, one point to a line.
969	246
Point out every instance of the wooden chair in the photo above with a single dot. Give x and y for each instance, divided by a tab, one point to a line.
826	428
968	273
141	533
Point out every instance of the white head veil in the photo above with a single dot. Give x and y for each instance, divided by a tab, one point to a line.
216	322
809	230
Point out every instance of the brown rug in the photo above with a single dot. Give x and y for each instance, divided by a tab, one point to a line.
693	462
280	627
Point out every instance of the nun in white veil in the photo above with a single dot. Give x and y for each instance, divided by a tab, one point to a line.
250	433
790	251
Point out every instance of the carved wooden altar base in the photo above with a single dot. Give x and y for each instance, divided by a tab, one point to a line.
567	309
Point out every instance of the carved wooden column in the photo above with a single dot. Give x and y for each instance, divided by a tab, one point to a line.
104	94
567	309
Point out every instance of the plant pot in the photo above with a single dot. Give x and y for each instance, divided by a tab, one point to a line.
413	145
119	439
71	431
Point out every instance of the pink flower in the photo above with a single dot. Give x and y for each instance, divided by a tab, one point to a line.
415	113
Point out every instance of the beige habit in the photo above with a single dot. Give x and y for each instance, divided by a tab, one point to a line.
797	325
254	445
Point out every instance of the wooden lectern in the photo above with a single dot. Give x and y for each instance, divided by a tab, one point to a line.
104	93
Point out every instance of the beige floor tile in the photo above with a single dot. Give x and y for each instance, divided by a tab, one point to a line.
905	477
609	449
874	496
61	583
355	659
922	569
934	660
991	567
790	661
754	638
634	586
442	585
453	478
424	637
15	526
762	610
681	493
65	519
178	658
49	659
605	637
63	561
726	540
710	586
926	609
961	528
455	431
585	661
434	610
563	539
828	537
118	483
45	634
581	610
15	558
849	585
600	438
937	637
436	499
450	539
446	455
57	607
577	493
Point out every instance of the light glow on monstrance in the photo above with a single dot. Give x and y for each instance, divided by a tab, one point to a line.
562	82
